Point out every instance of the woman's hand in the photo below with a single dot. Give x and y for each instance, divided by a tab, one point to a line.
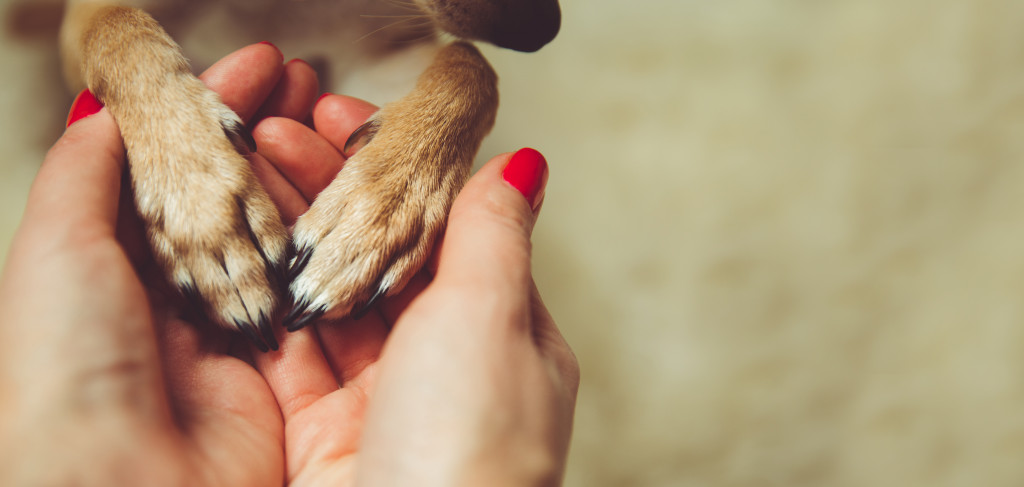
101	380
462	378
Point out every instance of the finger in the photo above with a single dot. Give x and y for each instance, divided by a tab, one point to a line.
298	373
352	345
294	95
78	185
288	200
487	243
337	116
301	155
246	77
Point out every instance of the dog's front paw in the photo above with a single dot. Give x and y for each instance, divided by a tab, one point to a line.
373	228
368	232
211	225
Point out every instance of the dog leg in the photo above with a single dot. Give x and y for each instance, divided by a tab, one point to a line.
374	226
211	225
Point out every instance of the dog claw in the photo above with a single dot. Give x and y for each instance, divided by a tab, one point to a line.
268	332
193	300
299	262
362	310
250	332
361	136
239	136
304	319
297	310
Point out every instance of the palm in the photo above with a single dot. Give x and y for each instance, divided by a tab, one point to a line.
322	379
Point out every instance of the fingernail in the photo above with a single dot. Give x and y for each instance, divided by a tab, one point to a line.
527	171
85	104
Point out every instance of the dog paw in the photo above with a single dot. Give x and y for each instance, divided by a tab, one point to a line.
212	226
368	232
374	226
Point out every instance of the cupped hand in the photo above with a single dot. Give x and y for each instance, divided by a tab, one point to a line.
460	379
101	380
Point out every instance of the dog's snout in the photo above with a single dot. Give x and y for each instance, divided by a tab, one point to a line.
521	25
527	25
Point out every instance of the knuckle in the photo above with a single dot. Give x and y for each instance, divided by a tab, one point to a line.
499	213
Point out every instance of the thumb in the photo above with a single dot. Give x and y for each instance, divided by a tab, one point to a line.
487	241
79	181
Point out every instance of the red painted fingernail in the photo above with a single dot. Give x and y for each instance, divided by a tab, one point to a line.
85	104
527	171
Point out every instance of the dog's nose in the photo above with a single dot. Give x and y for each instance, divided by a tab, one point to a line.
521	25
526	26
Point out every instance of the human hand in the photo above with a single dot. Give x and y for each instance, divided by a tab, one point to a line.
460	379
101	380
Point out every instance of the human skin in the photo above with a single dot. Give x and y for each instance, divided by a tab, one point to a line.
461	379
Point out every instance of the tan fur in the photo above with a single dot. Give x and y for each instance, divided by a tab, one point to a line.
212	226
373	227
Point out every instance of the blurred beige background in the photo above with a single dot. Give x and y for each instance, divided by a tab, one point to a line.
785	238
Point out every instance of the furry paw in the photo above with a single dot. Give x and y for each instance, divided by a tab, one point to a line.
374	226
212	226
368	232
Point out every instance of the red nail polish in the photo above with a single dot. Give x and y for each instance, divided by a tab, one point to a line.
85	104
527	171
278	49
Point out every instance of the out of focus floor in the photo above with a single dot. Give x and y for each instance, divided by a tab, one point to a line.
786	239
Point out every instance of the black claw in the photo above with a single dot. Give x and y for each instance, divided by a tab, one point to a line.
298	309
381	291
239	136
250	331
193	299
301	259
267	332
306	319
279	274
360	137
